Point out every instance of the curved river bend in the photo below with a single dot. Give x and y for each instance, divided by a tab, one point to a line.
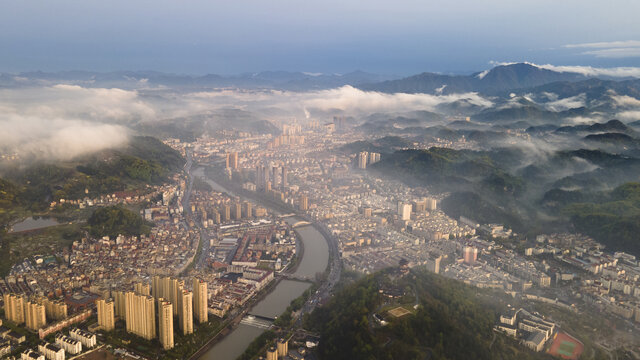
314	260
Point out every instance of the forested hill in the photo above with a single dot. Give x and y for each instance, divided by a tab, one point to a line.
610	217
145	160
450	321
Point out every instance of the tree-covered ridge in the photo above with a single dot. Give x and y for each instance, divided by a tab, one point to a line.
115	220
154	150
438	164
473	206
612	218
144	161
529	192
9	193
450	322
386	144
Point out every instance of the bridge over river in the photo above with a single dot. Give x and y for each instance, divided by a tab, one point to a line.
305	278
260	322
313	261
300	224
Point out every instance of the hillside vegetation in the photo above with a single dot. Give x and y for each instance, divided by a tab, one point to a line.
144	161
564	191
451	322
115	220
612	218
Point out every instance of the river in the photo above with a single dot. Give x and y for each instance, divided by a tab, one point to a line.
314	260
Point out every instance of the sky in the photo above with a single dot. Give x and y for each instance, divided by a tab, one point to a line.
399	37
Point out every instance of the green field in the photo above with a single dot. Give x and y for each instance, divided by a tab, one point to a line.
566	348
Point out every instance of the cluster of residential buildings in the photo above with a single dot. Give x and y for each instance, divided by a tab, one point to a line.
609	282
124	197
64	346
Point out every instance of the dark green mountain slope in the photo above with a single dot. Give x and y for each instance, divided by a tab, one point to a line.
450	321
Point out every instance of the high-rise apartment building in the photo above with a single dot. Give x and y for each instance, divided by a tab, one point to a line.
165	323
120	303
35	315
304	203
272	353
404	211
374	157
175	291
215	216
284	181
362	160
274	175
226	211
14	308
106	314
200	300
432	204
283	347
167	288
142	289
156	287
185	312
470	254
259	177
232	160
419	206
140	315
433	264
55	309
248	210
237	211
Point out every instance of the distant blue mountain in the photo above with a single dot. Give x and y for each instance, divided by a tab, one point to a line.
282	80
499	79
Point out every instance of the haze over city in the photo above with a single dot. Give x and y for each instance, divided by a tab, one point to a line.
319	180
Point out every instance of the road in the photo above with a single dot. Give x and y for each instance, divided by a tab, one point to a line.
203	242
335	270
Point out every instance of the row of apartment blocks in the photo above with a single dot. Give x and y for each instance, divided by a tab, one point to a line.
229	212
417	206
365	158
138	308
279	351
32	311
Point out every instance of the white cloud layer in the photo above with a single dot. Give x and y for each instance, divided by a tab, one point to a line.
58	139
346	100
611	49
631	115
590	71
626	101
567	103
65	121
352	100
606	44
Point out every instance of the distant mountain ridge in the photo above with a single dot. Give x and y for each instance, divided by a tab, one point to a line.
281	80
500	78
